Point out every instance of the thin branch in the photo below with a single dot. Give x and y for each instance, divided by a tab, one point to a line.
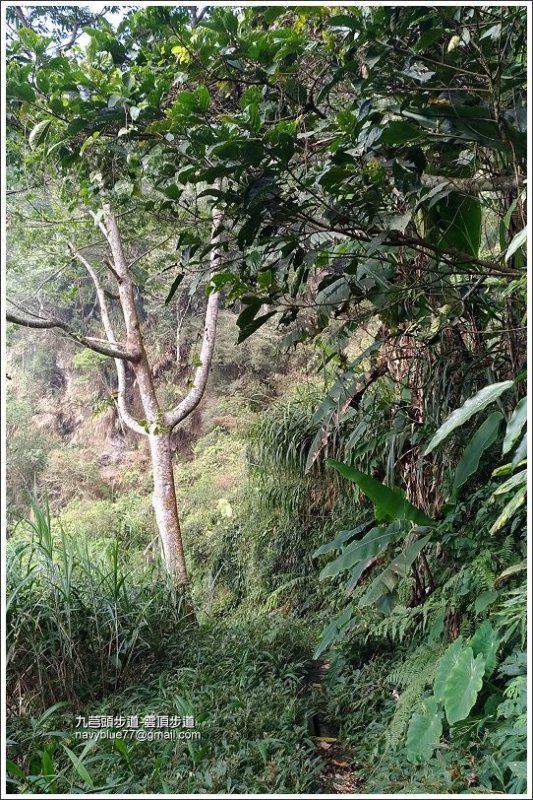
33	321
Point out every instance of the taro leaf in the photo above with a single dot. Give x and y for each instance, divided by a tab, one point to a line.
424	732
463	684
486	642
483	438
445	665
485	600
486	396
389	501
515	425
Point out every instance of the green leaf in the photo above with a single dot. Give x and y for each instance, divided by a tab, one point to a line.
114	99
518	241
38	133
509	510
424	732
475	404
428	38
445	665
21	90
79	767
387	581
335	630
463	684
384	498
361	551
482	439
484	600
175	283
486	642
337	542
344	21
515	425
399	132
254	325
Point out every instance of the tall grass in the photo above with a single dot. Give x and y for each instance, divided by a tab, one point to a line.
80	621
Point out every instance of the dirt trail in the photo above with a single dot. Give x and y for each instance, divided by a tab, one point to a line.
339	774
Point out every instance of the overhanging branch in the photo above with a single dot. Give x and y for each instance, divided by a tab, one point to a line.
104	348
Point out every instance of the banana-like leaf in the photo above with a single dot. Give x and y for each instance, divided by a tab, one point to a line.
483	438
387	500
515	425
360	552
387	581
509	510
486	396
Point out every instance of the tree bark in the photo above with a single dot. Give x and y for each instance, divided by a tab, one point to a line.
166	507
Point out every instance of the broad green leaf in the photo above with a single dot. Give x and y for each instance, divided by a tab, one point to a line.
518	241
445	666
484	600
399	132
344	21
509	510
387	582
374	542
475	404
384	498
483	438
21	90
38	133
424	732
516	480
515	425
463	684
338	541
486	642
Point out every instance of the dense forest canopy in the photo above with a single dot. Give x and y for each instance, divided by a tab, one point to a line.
266	298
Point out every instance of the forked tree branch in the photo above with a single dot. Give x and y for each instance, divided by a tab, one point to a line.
124	413
192	398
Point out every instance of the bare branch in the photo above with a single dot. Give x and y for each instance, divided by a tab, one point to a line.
125	414
33	321
191	400
498	183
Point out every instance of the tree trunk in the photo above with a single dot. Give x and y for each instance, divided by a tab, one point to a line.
166	508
